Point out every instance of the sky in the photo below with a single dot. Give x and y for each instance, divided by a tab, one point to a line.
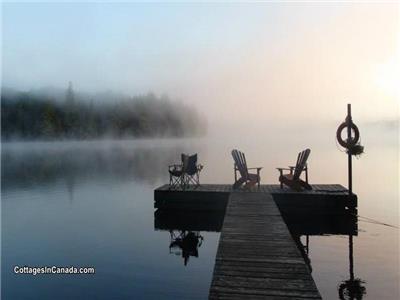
283	63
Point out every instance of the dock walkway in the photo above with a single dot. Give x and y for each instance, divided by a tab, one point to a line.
257	257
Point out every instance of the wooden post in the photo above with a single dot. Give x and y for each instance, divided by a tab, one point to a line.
351	258
349	122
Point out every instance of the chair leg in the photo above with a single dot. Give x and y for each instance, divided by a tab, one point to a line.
183	181
238	183
305	185
174	182
234	172
192	179
280	176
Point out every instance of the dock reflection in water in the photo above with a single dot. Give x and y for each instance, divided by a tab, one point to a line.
352	288
302	226
185	229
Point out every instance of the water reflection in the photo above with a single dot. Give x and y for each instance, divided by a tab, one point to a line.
185	228
90	204
347	224
352	288
110	222
185	243
188	220
304	249
309	225
25	167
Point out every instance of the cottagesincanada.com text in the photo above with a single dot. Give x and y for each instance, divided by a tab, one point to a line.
53	270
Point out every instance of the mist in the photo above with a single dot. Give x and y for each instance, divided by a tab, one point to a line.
99	100
276	66
47	115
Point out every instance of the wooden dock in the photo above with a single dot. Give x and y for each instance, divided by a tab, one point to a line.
322	199
257	256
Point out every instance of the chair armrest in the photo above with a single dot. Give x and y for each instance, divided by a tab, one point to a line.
294	167
255	168
286	169
176	166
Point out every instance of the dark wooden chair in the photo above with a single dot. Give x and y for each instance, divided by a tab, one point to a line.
292	179
247	180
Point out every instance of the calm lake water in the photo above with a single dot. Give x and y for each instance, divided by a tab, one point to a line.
91	204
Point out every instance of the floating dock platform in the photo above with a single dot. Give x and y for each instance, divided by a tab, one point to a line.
322	199
257	257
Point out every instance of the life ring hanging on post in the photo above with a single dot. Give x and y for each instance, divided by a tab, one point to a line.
350	142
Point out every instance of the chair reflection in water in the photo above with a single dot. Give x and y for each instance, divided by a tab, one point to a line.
186	243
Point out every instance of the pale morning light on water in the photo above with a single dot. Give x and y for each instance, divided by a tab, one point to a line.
104	106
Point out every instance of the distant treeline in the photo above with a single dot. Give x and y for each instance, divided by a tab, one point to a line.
30	116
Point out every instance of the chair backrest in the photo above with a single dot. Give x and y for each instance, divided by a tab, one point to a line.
301	163
189	163
240	163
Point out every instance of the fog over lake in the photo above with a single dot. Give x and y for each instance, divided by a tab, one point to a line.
91	203
98	99
285	63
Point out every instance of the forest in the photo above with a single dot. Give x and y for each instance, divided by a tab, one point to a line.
35	116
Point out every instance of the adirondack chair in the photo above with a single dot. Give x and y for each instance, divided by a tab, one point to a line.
247	180
293	179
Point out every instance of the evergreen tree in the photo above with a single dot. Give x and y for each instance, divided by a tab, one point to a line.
70	95
71	114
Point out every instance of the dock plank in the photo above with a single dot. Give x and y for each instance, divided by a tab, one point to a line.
257	257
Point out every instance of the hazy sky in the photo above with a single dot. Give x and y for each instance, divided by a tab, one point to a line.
265	61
